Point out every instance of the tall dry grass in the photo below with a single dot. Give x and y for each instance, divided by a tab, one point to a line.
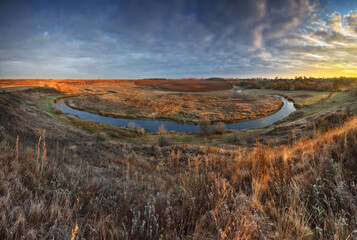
305	190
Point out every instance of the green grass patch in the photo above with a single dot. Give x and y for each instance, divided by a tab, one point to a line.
311	102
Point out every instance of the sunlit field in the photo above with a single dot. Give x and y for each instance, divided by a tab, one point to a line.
186	107
62	175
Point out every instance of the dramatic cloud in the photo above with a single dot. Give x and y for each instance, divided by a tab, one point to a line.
329	46
351	21
335	22
176	38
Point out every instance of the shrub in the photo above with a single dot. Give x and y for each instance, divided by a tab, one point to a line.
131	125
140	130
162	129
136	128
348	111
164	141
100	137
331	120
204	124
71	117
219	127
236	139
58	111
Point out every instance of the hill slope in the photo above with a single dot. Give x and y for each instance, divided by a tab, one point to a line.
54	180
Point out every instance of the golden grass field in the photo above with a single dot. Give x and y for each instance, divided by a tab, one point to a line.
133	99
186	85
61	177
186	107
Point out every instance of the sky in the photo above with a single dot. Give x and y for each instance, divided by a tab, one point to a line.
124	39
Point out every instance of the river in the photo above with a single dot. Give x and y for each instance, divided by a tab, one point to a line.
153	125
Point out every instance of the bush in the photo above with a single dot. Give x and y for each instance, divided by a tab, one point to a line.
219	127
136	128
140	130
58	111
204	124
331	120
71	117
100	137
162	129
236	139
348	111
164	141
132	125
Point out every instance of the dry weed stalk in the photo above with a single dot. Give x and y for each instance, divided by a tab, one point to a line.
304	190
17	147
44	150
74	232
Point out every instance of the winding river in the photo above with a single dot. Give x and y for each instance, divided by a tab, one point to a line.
153	125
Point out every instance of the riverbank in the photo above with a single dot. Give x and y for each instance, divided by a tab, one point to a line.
153	125
242	137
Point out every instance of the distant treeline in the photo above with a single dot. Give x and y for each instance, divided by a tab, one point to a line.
299	83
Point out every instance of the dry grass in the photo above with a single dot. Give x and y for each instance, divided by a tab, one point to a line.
61	183
102	86
61	86
186	85
181	107
302	191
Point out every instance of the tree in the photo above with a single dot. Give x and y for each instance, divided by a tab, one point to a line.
336	85
219	127
204	124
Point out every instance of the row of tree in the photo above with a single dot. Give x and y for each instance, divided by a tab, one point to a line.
299	83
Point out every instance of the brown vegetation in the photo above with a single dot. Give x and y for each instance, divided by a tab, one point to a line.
219	127
60	183
186	85
301	191
102	86
61	86
298	83
181	107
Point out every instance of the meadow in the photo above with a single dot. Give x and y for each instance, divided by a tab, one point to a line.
186	85
62	177
184	107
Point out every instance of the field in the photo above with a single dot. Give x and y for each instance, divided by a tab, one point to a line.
61	176
186	85
184	107
301	98
96	86
312	102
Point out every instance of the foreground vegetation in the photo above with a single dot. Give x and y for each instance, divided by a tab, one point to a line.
304	190
57	181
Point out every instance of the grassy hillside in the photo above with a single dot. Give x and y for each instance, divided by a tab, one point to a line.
105	189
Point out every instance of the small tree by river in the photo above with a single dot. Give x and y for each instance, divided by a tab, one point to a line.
204	124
